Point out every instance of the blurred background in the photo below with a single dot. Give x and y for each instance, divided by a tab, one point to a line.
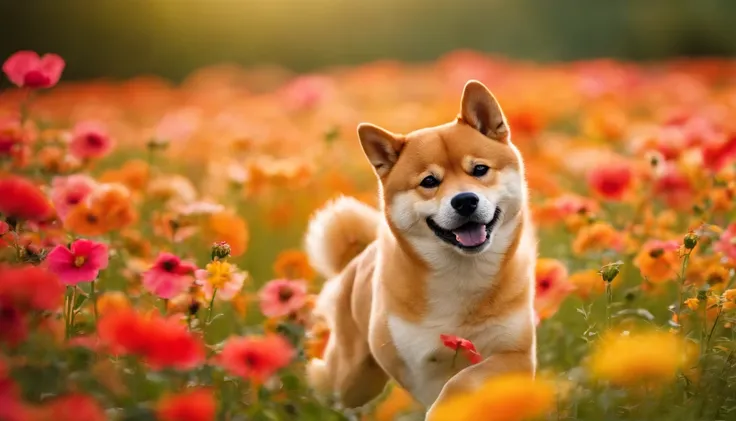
171	38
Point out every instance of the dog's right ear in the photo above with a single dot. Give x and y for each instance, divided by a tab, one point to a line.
380	146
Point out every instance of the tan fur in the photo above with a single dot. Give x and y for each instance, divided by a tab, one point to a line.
387	306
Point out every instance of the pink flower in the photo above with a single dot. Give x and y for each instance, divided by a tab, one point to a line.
90	139
80	263
306	92
169	276
727	243
68	192
27	69
281	297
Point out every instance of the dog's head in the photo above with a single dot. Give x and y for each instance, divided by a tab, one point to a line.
454	187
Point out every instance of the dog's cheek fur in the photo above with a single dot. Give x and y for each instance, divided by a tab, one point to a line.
407	210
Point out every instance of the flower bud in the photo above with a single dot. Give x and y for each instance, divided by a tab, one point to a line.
691	240
220	250
610	272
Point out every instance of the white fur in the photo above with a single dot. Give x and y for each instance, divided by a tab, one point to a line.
457	280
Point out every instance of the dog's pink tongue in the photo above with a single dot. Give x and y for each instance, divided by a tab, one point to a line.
471	236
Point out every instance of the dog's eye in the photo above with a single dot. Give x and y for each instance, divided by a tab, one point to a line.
430	182
480	170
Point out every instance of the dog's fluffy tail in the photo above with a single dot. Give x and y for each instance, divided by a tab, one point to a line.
338	232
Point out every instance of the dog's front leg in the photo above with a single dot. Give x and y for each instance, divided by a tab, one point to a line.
473	377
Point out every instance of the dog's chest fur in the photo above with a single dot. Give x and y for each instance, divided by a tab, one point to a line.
452	294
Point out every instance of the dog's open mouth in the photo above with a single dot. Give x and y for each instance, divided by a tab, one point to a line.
469	236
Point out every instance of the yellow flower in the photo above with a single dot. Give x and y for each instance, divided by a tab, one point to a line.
218	273
692	303
511	397
637	358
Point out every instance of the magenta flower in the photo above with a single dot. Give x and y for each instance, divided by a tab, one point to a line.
90	139
281	297
27	69
80	263
169	276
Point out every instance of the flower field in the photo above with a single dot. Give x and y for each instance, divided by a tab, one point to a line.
151	260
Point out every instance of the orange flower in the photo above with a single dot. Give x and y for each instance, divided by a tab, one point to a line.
230	228
597	236
658	260
133	174
552	286
588	283
316	341
112	301
293	264
191	405
398	402
106	209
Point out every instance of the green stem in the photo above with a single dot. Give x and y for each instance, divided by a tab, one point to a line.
609	301
681	286
212	304
93	295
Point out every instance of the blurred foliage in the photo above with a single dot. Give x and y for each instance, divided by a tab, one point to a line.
172	38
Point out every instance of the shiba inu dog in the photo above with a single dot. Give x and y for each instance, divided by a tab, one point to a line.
451	251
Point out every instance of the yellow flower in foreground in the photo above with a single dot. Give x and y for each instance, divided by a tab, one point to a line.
637	358
218	273
511	397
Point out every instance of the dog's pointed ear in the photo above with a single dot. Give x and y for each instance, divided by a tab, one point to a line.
480	110
380	146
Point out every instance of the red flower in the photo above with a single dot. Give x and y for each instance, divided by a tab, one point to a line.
256	357
456	344
13	326
26	68
611	181
21	199
191	405
673	186
30	288
73	407
719	151
90	140
11	405
161	342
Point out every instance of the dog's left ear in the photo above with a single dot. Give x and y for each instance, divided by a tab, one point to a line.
480	109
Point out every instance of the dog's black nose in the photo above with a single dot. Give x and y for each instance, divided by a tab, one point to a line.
465	203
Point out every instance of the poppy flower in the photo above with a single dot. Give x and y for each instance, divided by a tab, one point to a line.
598	236
611	181
21	199
27	69
90	139
281	297
81	262
13	325
12	407
107	208
674	186
72	407
726	244
256	358
169	276
230	228
552	286
456	344
30	288
5	239
191	405
658	260
112	301
13	137
293	264
161	342
68	192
